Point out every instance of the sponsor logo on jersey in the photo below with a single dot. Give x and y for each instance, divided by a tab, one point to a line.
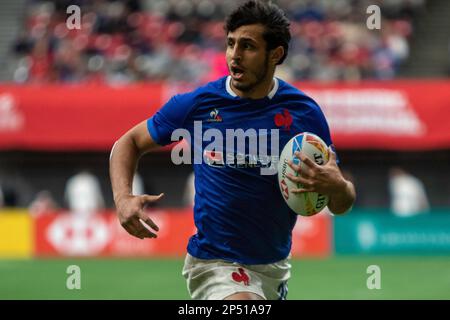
214	158
250	148
214	116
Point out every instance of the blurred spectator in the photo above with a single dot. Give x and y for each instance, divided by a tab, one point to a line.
83	194
8	196
138	185
189	191
43	203
448	60
2	203
408	196
133	40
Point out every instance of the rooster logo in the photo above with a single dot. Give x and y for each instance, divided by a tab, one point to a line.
241	276
283	119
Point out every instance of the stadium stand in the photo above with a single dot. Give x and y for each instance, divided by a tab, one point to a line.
128	41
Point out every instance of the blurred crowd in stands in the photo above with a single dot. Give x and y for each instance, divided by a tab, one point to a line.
183	40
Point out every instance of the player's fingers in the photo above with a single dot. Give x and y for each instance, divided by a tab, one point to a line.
300	190
293	166
148	221
304	172
304	185
296	179
149	199
146	230
142	230
306	160
331	155
129	227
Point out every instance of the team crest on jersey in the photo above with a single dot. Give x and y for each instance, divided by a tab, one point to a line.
241	276
283	120
214	116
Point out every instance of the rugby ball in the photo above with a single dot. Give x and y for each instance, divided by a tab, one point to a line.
308	203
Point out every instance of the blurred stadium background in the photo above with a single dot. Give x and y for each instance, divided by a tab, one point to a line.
67	95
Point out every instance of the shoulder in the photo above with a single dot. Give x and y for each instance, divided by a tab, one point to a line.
207	91
292	94
180	106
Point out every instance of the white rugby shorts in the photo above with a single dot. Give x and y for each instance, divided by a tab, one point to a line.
218	279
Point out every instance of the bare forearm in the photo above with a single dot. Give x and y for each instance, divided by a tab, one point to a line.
125	156
343	200
122	167
123	162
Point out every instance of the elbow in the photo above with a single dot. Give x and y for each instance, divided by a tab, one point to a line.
340	210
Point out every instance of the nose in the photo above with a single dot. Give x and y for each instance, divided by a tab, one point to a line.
235	53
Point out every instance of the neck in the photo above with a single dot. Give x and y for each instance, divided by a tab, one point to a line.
260	91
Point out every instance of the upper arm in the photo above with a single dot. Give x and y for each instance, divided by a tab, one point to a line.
173	115
141	138
157	130
319	125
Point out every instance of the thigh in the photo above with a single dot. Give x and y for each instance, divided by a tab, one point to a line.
274	278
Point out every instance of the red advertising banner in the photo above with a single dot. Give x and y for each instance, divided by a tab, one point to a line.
67	235
391	115
39	117
396	115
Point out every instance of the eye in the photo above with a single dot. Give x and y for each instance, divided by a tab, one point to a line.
248	46
230	43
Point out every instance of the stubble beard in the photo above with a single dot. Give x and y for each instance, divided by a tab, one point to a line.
259	78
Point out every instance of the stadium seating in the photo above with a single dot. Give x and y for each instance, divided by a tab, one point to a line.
128	41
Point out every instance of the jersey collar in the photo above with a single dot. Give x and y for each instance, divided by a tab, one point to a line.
270	95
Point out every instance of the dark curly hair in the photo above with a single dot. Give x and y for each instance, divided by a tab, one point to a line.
270	16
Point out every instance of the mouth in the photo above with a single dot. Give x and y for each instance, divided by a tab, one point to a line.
236	72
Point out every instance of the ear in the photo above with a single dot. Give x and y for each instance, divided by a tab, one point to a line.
276	54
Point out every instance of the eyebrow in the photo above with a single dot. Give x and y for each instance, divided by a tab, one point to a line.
242	39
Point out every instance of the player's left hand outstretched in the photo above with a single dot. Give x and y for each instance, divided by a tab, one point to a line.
325	179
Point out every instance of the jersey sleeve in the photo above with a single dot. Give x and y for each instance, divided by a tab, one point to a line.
320	126
170	117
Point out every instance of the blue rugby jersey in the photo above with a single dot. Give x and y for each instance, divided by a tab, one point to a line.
239	213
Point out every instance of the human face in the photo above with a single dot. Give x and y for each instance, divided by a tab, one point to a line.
248	62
